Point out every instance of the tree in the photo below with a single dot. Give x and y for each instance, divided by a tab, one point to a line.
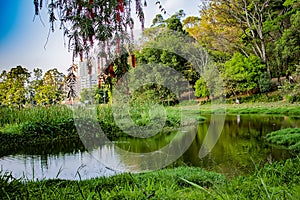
51	91
94	95
3	89
242	73
251	17
265	84
34	84
215	30
267	29
287	47
201	89
46	95
84	22
71	81
14	86
171	33
37	73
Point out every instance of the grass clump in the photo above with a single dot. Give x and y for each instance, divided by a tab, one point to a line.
162	184
288	138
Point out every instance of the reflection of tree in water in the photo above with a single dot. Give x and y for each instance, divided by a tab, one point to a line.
240	144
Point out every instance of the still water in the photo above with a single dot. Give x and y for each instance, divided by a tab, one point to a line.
239	148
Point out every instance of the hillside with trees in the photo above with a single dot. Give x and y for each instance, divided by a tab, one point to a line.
252	42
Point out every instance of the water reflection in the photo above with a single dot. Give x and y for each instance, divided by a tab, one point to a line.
240	145
80	165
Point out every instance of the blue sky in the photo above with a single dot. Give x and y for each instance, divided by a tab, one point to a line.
22	41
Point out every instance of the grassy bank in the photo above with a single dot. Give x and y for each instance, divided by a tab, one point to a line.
273	181
282	108
54	124
286	138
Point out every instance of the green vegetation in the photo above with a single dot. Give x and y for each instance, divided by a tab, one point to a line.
36	125
278	180
287	138
242	73
282	108
201	89
18	91
250	42
46	125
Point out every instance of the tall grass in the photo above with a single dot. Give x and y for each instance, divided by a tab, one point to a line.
33	126
41	125
34	114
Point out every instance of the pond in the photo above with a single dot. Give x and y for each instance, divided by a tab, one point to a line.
238	149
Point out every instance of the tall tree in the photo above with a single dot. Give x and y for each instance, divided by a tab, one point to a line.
3	89
215	30
14	86
167	31
51	91
34	84
287	45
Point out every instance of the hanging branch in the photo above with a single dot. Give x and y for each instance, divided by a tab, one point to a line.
86	22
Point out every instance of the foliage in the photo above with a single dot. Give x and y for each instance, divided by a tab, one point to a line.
13	88
51	89
259	98
154	52
94	95
17	90
294	94
201	89
215	29
94	23
267	29
242	73
287	46
85	22
71	81
292	88
264	82
288	138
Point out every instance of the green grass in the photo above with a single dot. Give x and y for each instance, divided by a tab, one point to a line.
281	108
288	138
278	180
33	126
33	114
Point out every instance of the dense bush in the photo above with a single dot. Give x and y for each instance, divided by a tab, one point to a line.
201	89
242	73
